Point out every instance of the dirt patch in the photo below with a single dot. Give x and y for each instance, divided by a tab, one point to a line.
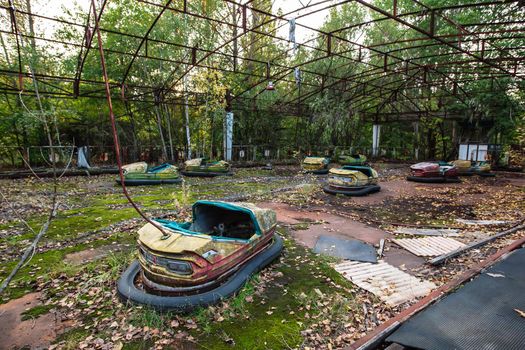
93	254
37	333
286	214
340	227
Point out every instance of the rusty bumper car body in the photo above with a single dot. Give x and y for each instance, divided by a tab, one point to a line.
203	261
352	181
138	174
315	165
433	172
201	167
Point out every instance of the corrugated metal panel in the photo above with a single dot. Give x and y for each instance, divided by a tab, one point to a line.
390	284
428	231
482	222
429	246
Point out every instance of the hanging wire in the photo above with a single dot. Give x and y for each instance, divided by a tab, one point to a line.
116	142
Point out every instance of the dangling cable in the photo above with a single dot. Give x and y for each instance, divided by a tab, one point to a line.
114	127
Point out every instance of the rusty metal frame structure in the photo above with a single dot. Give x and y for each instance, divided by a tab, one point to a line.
394	79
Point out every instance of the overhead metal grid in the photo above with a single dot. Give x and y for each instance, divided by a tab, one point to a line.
394	79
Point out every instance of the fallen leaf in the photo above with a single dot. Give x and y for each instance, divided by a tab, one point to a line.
520	312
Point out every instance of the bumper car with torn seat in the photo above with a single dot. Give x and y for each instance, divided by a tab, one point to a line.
137	174
201	167
315	165
352	181
352	159
433	172
203	261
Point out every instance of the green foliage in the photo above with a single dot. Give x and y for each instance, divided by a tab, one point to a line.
36	311
339	95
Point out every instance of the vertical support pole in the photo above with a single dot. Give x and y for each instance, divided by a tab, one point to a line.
360	54
376	131
416	132
394	10
228	129
329	44
194	55
385	62
244	20
185	6
432	22
76	88
483	48
228	136
20	82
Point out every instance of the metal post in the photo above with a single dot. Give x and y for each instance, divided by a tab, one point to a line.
228	136
376	130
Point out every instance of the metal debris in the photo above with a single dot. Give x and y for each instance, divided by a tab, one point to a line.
381	248
482	222
350	249
390	284
429	246
447	232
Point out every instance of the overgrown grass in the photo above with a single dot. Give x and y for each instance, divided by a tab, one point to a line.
48	265
36	311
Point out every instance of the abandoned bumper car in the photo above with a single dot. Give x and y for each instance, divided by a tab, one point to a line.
137	174
352	159
352	181
315	165
203	168
433	172
201	262
468	168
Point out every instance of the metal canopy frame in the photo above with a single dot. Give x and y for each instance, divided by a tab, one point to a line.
394	72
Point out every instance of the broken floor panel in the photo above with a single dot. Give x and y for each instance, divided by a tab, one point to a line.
429	246
350	249
387	282
427	231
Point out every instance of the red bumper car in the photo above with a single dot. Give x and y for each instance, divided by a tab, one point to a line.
433	172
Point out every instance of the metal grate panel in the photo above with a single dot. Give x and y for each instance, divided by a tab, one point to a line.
448	232
390	284
429	246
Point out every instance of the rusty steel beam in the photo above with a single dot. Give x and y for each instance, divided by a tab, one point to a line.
82	56
144	38
426	33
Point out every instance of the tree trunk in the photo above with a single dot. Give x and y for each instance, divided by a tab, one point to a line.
159	124
212	136
31	25
133	130
170	138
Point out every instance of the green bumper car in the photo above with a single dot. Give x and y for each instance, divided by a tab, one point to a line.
201	167
352	181
482	168
315	165
138	174
353	159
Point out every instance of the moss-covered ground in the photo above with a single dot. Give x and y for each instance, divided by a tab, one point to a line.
298	302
